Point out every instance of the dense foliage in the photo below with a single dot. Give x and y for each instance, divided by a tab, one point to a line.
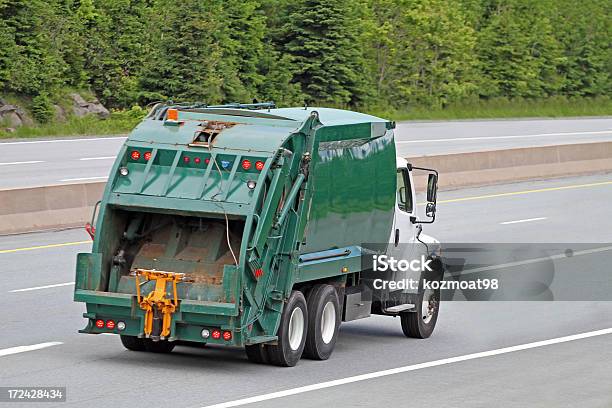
375	53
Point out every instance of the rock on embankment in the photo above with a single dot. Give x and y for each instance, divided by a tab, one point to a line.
13	116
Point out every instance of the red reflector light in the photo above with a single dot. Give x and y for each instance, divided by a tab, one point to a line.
216	334
246	164
99	323
135	155
207	160
110	324
259	165
147	156
186	159
227	335
197	160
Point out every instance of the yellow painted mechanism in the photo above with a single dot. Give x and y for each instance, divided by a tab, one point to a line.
157	298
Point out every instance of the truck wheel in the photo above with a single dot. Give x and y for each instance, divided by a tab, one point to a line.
291	332
421	324
162	346
257	353
132	343
323	322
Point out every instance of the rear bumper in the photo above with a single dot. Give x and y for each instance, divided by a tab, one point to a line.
187	322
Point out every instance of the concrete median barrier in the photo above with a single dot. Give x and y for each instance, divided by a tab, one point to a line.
502	166
69	205
48	207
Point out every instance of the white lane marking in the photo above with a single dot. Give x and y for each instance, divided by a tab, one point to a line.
23	349
399	370
535	260
85	178
98	158
93	139
602	132
42	287
21	162
523	220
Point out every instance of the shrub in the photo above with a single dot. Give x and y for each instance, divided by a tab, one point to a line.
42	108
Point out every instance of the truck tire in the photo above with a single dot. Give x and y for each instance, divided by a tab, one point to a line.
291	332
323	322
162	346
421	323
132	343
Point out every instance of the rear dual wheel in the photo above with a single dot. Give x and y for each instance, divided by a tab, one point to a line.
323	322
291	333
307	327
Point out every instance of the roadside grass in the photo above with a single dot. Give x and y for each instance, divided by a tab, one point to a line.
503	108
121	122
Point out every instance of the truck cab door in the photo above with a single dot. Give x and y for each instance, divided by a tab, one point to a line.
404	232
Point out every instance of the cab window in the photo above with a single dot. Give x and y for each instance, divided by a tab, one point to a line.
404	191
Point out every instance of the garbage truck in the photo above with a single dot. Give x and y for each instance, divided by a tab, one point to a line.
248	225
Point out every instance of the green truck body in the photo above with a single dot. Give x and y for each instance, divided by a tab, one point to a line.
249	204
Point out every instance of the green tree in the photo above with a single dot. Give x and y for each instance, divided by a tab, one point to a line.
519	54
31	61
321	36
206	51
584	30
436	61
117	46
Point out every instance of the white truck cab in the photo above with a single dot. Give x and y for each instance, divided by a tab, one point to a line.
419	313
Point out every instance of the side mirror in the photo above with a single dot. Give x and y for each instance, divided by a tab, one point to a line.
430	210
432	188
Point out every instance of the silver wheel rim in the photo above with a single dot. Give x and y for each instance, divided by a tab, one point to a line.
328	322
428	306
296	328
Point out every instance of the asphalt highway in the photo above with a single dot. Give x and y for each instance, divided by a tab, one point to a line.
57	161
506	354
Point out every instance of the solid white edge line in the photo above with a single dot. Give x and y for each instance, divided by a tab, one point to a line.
63	140
41	287
523	220
393	371
21	162
23	349
97	158
503	137
85	178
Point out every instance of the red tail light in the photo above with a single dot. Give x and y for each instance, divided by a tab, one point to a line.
207	160
246	164
186	159
227	335
135	155
259	165
91	230
110	324
197	160
100	323
147	156
216	334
